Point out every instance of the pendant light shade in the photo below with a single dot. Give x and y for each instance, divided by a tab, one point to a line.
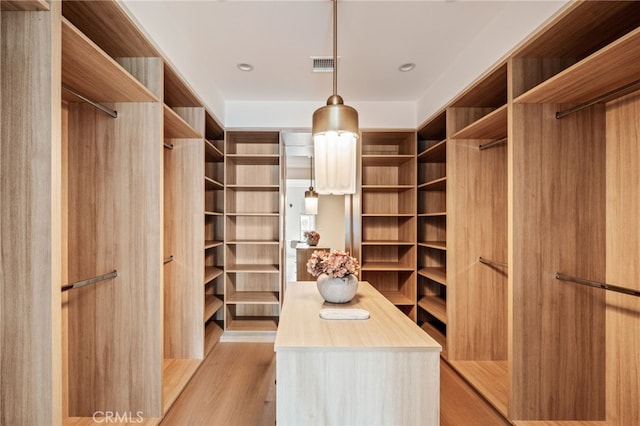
335	133
311	196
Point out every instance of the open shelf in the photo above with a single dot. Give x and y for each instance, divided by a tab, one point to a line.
211	273
386	160
435	273
211	244
436	306
387	243
253	242
437	335
89	71
177	92
252	324
212	304
269	269
210	213
253	298
212	184
434	214
212	333
398	298
434	154
253	187
212	153
491	126
438	245
439	184
385	266
176	373
175	127
609	69
489	378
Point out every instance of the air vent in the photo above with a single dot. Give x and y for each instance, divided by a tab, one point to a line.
322	63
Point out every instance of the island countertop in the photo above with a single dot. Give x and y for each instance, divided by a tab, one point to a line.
301	327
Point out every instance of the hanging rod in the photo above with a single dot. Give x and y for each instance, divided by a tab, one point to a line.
101	107
168	145
168	259
604	98
492	262
492	143
88	281
598	284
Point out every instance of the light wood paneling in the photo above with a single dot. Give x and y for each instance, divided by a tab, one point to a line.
30	207
115	217
489	378
184	239
623	260
24	5
557	225
176	373
476	226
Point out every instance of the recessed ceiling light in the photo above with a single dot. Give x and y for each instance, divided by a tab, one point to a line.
245	67
407	67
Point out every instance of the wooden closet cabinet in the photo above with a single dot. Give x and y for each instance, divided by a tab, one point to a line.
542	193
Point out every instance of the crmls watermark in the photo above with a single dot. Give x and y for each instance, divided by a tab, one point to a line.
110	417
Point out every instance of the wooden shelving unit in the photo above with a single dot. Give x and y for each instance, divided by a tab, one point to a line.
253	234
388	188
432	229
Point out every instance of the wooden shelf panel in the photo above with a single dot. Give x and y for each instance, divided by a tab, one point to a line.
212	333
438	336
212	183
434	154
254	160
435	273
253	187
270	214
176	373
385	266
398	298
439	184
210	213
211	273
211	305
439	245
387	243
435	214
491	126
270	269
255	324
254	242
212	154
253	298
24	5
387	215
211	244
609	69
387	188
175	127
95	75
385	160
436	306
489	378
177	92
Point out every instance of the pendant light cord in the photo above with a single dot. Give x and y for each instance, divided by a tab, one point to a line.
335	47
311	158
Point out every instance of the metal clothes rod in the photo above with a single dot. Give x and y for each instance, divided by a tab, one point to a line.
492	143
96	105
168	145
598	284
604	98
492	262
93	280
168	259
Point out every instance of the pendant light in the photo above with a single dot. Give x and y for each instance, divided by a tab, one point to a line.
311	196
335	132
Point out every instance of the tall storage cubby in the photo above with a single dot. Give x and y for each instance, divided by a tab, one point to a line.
432	229
253	233
388	202
542	196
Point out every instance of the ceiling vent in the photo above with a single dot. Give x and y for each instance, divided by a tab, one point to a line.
322	63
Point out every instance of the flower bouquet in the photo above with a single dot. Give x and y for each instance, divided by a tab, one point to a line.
313	237
336	272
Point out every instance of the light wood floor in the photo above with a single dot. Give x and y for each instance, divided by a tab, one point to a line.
235	386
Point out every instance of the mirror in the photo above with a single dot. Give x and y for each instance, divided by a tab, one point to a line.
330	220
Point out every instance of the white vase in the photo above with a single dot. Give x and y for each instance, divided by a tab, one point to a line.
337	290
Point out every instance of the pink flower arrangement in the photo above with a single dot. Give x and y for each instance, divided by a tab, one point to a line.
336	264
312	235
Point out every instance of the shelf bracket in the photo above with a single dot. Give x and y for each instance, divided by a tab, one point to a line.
604	98
492	262
598	284
492	143
89	281
108	111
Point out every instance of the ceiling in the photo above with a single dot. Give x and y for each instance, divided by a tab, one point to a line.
450	42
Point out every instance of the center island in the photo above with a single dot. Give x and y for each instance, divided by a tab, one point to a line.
383	370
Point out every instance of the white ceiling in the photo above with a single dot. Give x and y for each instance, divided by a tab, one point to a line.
451	42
